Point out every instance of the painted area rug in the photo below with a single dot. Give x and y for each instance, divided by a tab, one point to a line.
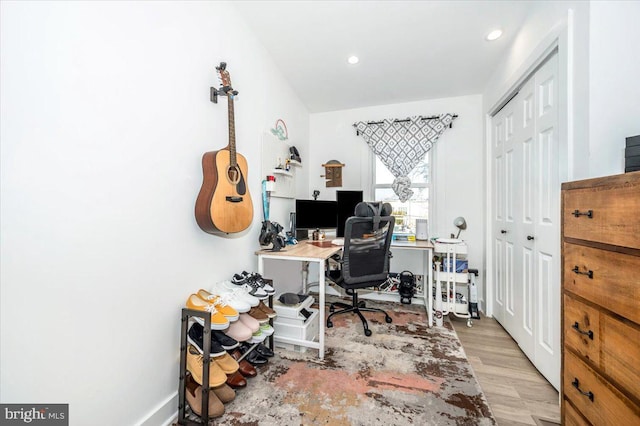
404	374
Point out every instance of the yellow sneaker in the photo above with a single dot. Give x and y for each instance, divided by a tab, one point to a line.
226	363
217	377
218	320
221	305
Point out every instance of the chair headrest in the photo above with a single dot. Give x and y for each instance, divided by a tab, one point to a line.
373	209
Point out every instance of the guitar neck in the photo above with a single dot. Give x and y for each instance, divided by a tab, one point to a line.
232	133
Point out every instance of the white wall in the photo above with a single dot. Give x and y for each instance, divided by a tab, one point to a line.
105	117
614	88
602	74
546	22
458	165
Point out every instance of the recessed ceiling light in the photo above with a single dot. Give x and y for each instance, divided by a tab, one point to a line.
353	60
494	35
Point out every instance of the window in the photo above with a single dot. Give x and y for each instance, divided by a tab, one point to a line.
418	206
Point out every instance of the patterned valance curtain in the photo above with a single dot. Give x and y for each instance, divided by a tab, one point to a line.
402	144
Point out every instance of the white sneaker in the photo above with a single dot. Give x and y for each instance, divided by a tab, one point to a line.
221	300
238	292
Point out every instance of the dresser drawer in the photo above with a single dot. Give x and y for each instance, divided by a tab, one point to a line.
604	404
620	355
571	416
605	278
614	209
582	329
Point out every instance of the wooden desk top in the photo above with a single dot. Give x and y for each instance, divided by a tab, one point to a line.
324	249
304	249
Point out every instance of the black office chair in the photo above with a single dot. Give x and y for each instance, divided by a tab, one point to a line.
365	257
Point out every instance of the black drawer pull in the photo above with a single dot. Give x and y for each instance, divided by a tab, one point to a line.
530	237
578	213
589	273
576	384
503	231
576	327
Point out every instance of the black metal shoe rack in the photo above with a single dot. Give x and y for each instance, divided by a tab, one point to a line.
182	402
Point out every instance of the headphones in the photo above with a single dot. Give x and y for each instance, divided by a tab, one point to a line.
270	233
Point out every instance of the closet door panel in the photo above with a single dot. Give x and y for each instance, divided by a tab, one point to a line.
546	233
499	223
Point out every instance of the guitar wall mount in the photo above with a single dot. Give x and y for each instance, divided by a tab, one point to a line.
224	90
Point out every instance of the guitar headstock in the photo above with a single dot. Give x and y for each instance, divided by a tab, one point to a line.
225	78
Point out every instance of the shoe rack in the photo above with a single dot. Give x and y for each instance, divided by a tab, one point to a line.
206	317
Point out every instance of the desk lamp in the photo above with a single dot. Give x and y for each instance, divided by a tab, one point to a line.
460	223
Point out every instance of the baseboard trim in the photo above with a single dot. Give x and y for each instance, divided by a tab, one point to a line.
163	414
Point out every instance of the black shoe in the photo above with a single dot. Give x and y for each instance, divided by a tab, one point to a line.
194	336
263	351
225	341
254	358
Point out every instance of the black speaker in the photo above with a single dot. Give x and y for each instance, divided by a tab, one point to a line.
347	201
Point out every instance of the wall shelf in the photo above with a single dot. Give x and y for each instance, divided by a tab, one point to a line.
275	154
282	172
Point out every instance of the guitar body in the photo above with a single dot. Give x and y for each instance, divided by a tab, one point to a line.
224	203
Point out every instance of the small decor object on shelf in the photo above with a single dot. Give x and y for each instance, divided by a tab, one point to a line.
294	154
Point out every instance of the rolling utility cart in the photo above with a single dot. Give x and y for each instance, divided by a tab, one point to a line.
451	280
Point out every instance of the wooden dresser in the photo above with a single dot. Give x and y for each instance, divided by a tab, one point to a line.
601	301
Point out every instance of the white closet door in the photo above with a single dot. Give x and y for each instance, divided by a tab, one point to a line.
505	235
546	233
499	221
526	222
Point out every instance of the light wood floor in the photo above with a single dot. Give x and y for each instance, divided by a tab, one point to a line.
516	391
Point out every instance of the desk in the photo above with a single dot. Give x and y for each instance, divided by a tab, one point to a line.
313	251
305	251
427	286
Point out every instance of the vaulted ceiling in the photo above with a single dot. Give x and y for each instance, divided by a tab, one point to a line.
408	50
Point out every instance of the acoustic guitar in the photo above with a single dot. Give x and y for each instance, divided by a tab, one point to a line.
224	204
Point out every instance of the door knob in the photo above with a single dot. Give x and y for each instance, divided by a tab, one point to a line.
503	231
530	237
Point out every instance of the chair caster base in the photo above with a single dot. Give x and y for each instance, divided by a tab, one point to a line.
388	319
367	332
329	324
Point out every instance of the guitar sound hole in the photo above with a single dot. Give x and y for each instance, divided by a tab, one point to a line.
233	174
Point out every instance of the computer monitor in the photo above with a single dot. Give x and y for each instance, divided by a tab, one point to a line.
312	214
347	201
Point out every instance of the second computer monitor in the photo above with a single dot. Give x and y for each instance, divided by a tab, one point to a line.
311	214
347	201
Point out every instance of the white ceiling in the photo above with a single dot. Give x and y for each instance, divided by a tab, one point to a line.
408	50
